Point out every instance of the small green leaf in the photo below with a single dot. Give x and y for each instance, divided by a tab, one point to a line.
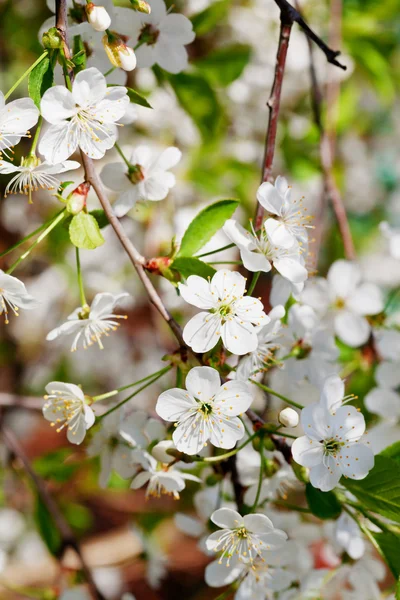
389	547
84	231
225	64
198	98
398	589
205	225
392	452
380	490
207	19
40	79
46	527
53	465
100	217
187	266
323	505
137	98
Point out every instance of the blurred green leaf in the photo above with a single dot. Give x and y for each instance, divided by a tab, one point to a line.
100	216
47	528
208	19
78	516
84	231
137	98
53	466
389	546
323	505
205	225
187	266
40	80
225	64
392	452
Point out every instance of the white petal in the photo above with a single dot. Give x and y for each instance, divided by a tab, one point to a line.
203	383
314	420
178	28
383	402
233	398
332	393
168	159
343	278
57	104
154	188
174	403
351	328
279	234
254	261
126	201
18	116
218	574
239	337
366	300
171	57
269	198
347	423
387	374
58	142
114	176
228	284
291	269
89	87
140	480
225	432
227	518
197	292
307	452
238	234
324	477
357	461
202	332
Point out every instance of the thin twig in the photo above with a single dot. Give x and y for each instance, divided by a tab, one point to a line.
68	539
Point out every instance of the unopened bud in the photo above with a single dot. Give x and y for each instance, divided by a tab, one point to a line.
141	6
52	39
288	417
119	54
161	451
76	201
98	17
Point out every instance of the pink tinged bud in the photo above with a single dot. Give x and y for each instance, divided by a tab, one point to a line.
76	201
288	417
98	17
119	54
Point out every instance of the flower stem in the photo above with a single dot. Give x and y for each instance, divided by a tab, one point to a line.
253	283
57	219
109	71
122	155
212	459
117	406
36	137
20	80
290	506
80	278
64	65
277	394
29	236
225	262
260	477
215	251
129	385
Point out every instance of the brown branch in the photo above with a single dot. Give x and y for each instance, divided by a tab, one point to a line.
16	401
68	539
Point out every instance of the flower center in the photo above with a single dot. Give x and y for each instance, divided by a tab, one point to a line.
135	174
206	408
149	35
301	349
225	310
84	312
332	446
339	303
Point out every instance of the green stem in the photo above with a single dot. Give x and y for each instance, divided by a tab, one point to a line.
109	71
41	237
212	459
277	394
64	65
260	477
80	279
367	515
215	251
129	385
29	236
36	137
117	406
286	435
253	283
20	80
291	506
122	155
225	262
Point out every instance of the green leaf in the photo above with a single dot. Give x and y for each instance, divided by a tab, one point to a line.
207	19
199	100
323	505
398	589
100	217
205	225
380	490
40	80
137	98
84	231
187	266
226	64
389	547
392	452
53	465
46	527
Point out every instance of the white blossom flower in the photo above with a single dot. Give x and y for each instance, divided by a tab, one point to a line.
347	299
16	118
331	445
243	538
162	479
290	214
13	295
230	315
148	178
66	406
288	417
33	174
98	17
206	411
260	253
119	54
385	403
163	37
274	487
392	236
268	343
282	289
89	324
349	537
84	118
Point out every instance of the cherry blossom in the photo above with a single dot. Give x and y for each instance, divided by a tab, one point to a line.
147	178
206	410
16	118
84	118
90	324
98	17
230	315
13	295
66	407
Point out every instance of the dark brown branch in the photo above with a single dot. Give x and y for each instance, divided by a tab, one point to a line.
68	539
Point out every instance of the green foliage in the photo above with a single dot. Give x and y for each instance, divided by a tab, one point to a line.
137	98
323	505
380	490
197	97
100	216
53	465
187	266
78	516
389	547
84	231
206	20
205	225
46	527
225	64
392	452
40	79
79	56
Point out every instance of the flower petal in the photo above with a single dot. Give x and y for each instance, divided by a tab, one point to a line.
307	452
57	104
202	332
227	518
174	403
239	337
89	87
203	383
351	328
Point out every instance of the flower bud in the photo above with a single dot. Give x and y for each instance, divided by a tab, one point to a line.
160	451
288	417
76	201
52	39
98	17
141	6
119	54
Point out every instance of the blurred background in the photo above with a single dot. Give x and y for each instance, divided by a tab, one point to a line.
216	114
